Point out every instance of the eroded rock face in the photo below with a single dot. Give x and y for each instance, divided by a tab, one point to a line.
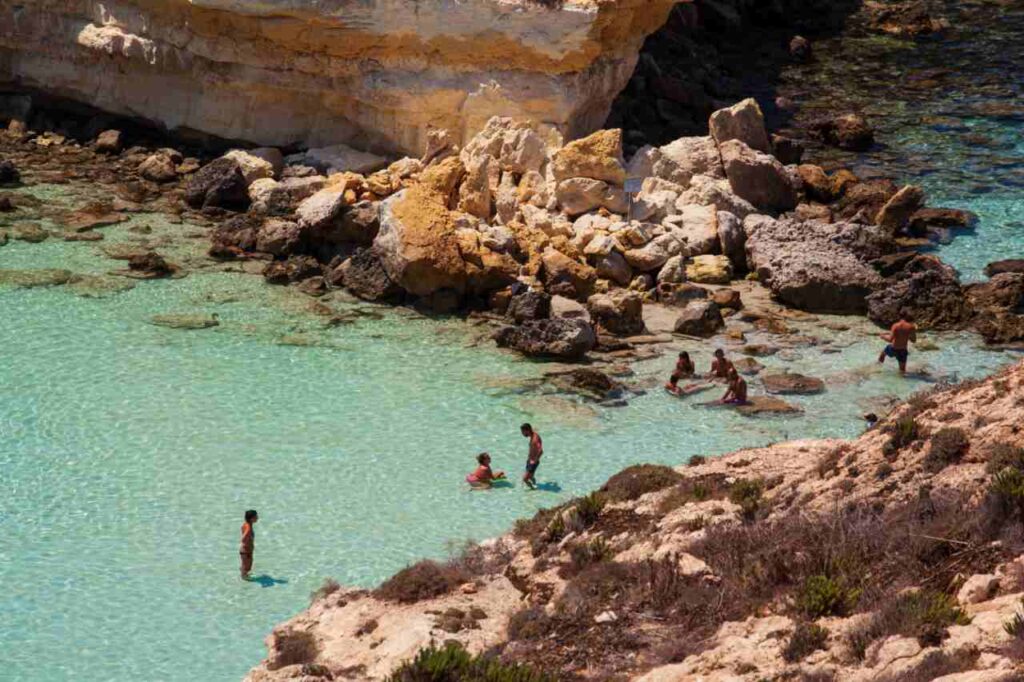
375	73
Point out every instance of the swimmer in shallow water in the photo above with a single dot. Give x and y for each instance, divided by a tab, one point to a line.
673	384
737	392
684	365
899	336
483	477
720	366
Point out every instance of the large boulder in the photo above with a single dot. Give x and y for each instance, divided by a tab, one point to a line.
234	237
512	143
847	131
896	213
109	142
1005	290
565	276
613	266
158	168
742	121
862	201
423	250
597	156
757	177
220	184
253	167
654	254
708	191
270	197
530	305
619	312
564	338
338	159
364	276
700	318
926	288
320	212
294	269
475	193
697	226
733	240
816	266
678	161
9	174
279	237
581	195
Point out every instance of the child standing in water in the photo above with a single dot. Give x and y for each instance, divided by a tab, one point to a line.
483	477
248	542
533	458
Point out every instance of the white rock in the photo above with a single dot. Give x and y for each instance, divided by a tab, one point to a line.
742	121
978	588
321	209
655	254
673	271
606	617
733	239
699	227
568	308
253	167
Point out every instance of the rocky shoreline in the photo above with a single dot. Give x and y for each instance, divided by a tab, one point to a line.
894	556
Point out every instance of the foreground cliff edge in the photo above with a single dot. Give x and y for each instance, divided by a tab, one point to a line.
895	556
377	74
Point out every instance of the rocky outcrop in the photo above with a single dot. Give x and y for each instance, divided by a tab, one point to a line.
379	74
564	338
816	266
880	558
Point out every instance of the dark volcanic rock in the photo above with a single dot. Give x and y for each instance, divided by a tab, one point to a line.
846	131
787	150
220	184
234	237
9	174
927	289
1005	291
862	201
531	305
1000	267
365	277
295	269
569	339
150	264
700	318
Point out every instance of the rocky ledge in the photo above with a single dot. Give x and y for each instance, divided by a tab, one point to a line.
377	74
895	556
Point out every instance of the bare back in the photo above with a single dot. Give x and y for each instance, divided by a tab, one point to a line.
903	332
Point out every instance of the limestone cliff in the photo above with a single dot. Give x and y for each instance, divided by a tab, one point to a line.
377	74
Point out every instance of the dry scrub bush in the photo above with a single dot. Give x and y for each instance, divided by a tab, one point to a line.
293	647
806	639
329	587
424	580
923	614
947	447
638	480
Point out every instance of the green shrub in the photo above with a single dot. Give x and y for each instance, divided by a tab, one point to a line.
424	580
806	638
947	447
452	663
1006	493
923	614
1015	626
902	433
747	494
637	480
821	595
587	510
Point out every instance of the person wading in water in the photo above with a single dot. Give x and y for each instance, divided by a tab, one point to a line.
247	545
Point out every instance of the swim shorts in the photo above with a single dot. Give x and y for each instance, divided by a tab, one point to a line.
531	467
901	354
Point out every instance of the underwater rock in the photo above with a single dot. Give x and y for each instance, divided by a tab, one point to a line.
185	320
28	279
760	404
29	232
788	383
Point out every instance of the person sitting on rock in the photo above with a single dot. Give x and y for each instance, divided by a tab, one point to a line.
483	477
673	384
684	365
720	366
737	391
899	337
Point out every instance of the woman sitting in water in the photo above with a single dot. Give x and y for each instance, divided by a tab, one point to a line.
684	365
673	384
483	477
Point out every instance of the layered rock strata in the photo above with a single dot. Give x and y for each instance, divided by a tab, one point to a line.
378	75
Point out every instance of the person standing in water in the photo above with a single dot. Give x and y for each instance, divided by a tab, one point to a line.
533	458
901	334
245	549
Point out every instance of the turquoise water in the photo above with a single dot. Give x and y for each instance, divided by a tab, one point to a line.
129	451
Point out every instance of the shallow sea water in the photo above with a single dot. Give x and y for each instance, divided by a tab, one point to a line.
129	451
